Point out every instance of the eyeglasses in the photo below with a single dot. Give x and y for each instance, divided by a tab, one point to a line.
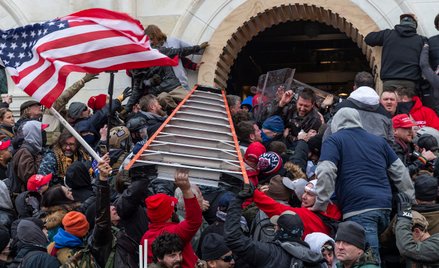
227	258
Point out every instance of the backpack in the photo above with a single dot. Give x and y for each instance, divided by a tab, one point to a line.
262	229
125	251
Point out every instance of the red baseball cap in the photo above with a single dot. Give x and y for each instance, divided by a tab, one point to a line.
402	121
5	145
44	126
37	180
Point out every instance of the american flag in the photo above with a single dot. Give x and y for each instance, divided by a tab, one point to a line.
39	57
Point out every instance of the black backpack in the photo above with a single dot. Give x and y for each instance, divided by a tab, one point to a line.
125	251
331	223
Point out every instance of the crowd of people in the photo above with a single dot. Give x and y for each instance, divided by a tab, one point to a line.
349	183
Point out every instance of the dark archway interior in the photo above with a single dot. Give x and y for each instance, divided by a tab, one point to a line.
323	57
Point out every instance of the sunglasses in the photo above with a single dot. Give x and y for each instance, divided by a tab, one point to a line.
227	258
327	247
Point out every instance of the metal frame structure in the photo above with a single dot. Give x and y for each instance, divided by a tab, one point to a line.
199	136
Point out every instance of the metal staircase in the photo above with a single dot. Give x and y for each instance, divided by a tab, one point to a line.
198	136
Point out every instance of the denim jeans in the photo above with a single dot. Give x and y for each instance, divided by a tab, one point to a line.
374	223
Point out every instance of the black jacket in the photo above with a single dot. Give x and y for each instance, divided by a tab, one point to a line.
131	210
101	239
401	49
434	51
143	82
34	257
260	254
96	121
300	155
79	180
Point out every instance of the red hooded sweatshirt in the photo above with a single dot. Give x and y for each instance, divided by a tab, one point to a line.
311	222
423	115
185	230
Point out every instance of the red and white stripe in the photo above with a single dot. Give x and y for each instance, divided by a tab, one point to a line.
97	40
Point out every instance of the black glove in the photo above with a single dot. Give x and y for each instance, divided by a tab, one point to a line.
404	206
247	191
155	80
127	92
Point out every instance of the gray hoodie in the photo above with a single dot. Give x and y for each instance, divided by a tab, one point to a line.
373	117
30	234
32	134
316	240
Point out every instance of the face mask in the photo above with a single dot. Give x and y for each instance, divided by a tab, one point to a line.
404	107
265	138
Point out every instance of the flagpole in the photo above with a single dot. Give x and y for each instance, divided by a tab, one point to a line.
110	107
75	134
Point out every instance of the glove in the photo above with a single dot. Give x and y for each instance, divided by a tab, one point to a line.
204	45
125	94
247	191
155	80
404	206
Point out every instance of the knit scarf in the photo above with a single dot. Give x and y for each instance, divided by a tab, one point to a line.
63	162
66	240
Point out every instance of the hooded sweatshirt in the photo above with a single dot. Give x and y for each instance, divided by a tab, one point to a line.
355	164
403	40
78	179
374	118
30	234
423	115
32	135
317	240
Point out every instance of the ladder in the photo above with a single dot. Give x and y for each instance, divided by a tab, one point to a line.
199	136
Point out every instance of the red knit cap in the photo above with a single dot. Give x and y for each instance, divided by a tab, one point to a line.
75	223
97	102
159	207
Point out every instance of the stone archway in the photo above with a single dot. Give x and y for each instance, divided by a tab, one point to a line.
253	17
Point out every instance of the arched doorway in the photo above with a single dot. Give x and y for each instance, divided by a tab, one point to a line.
322	56
254	17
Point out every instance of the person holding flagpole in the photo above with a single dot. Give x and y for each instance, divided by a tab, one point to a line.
39	57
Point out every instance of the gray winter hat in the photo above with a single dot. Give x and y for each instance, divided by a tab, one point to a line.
352	233
76	108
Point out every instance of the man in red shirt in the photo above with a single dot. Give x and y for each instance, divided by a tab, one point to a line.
311	221
409	103
160	209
